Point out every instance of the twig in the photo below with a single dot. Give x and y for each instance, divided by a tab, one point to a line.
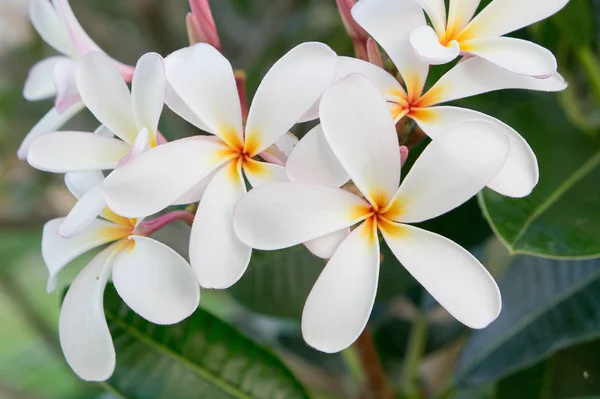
372	367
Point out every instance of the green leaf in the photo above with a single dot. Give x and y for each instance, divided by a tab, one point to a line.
547	305
561	218
199	357
576	23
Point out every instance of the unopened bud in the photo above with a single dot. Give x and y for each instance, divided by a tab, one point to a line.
358	35
403	154
200	24
373	53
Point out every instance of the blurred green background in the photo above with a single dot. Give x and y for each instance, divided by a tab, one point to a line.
546	344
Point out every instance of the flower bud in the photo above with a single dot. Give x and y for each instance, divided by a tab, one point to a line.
200	24
358	35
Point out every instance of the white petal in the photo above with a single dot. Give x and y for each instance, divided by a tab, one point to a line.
313	161
452	169
204	81
58	252
104	131
62	152
66	87
50	26
83	213
105	93
259	173
276	216
80	183
324	247
40	80
451	274
339	304
428	48
158	177
195	193
177	105
362	134
390	23
148	91
50	122
81	41
155	281
476	76
218	257
460	14
436	11
388	85
516	55
504	16
520	173
287	91
84	335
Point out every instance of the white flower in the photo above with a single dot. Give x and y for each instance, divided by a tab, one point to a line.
449	172
459	33
150	277
133	118
311	161
210	167
55	76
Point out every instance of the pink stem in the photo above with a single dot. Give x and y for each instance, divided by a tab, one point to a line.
151	226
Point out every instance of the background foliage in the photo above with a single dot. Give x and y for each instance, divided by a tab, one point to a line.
245	343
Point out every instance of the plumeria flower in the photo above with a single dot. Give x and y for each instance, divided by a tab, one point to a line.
210	167
311	161
55	76
459	33
151	278
449	172
133	118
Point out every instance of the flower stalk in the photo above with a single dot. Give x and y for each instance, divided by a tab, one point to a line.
372	368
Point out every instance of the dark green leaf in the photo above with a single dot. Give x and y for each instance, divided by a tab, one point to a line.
561	218
201	357
548	305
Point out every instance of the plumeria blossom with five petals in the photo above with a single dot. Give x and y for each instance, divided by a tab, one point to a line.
133	118
449	172
209	168
151	278
55	76
312	161
459	33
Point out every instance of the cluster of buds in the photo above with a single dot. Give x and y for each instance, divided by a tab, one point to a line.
125	171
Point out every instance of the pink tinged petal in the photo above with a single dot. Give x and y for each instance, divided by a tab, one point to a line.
148	91
218	257
390	23
450	273
81	41
177	105
287	92
324	247
40	80
85	211
476	76
362	134
505	16
66	88
460	14
84	335
276	216
50	122
428	48
62	152
158	177
140	145
48	23
79	183
436	11
339	304
204	80
58	251
259	173
520	173
313	161
155	281
105	93
452	169
515	55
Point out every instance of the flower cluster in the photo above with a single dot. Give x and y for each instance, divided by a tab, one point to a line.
336	190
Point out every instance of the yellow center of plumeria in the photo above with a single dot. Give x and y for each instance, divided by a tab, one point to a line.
120	231
241	154
380	214
414	104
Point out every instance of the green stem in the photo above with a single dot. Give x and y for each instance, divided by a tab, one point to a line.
414	354
591	65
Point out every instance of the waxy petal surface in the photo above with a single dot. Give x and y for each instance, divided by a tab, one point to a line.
89	206
79	183
428	48
50	26
259	173
324	247
40	80
148	92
